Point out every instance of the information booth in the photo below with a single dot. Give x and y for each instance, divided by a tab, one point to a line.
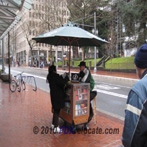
76	110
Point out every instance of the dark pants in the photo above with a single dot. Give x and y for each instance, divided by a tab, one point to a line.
55	117
92	96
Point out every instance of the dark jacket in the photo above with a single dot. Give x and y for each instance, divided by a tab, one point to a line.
135	126
86	77
57	93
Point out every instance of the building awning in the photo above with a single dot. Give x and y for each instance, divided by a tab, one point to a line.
8	14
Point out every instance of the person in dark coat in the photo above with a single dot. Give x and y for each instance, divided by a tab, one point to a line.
57	93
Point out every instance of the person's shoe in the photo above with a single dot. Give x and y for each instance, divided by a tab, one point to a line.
52	126
86	127
57	130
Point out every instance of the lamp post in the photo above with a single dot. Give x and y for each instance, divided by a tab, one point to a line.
57	57
96	33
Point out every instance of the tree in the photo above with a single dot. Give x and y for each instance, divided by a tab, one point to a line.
134	18
82	13
27	30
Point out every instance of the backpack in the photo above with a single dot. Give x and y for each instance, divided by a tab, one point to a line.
92	82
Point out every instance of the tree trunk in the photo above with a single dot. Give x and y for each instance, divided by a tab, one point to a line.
31	53
77	52
83	54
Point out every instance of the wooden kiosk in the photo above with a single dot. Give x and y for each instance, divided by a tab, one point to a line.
76	110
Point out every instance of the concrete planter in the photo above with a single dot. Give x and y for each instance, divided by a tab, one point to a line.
4	77
0	73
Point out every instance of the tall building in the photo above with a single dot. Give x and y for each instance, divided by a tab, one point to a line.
44	16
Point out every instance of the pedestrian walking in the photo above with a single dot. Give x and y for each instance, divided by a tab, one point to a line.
135	125
42	64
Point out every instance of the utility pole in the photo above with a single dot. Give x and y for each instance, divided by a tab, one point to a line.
95	69
117	31
57	57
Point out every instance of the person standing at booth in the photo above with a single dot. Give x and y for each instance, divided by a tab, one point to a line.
86	77
57	93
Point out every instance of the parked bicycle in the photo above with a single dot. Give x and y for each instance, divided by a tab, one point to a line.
17	82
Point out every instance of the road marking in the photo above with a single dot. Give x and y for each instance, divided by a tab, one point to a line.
111	93
114	85
98	90
27	74
115	77
105	87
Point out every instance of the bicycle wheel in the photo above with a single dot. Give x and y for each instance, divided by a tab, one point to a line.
23	85
13	85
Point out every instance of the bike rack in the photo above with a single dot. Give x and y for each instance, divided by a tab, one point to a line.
28	79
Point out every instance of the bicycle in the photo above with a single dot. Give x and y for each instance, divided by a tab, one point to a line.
17	82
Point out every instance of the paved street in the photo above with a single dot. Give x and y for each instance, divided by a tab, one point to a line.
111	97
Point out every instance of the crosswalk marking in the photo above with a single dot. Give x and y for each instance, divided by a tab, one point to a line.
111	93
106	87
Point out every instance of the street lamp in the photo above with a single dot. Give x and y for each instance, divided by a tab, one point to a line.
57	57
95	32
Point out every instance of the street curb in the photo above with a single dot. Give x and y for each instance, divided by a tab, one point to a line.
112	79
103	78
110	114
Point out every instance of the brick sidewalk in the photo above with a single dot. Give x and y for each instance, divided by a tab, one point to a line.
20	112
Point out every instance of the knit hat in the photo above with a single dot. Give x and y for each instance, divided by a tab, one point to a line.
141	57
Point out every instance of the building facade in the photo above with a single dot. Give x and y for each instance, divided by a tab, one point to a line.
44	16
